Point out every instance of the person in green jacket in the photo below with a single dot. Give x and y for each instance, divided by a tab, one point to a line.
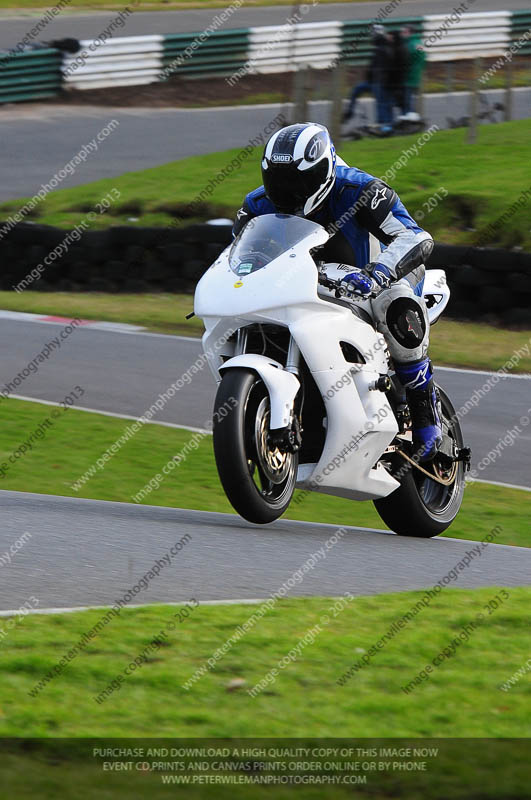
415	68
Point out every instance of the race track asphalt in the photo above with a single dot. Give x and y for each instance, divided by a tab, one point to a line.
89	26
88	552
124	373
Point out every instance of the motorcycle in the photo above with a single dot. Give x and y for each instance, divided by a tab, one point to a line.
360	126
307	397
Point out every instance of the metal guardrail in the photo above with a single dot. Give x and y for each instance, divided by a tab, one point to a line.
30	75
521	24
122	61
483	34
135	60
281	48
222	53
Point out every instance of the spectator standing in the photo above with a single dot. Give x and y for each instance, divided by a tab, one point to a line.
416	59
377	80
382	66
398	71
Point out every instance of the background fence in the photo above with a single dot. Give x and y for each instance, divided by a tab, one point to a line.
471	36
30	75
521	24
284	48
124	61
135	60
222	52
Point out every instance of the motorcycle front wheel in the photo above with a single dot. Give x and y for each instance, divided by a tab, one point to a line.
258	479
420	506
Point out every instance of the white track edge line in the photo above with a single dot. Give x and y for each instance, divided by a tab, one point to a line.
70	609
499	483
524	376
111	414
206	431
231	602
91	327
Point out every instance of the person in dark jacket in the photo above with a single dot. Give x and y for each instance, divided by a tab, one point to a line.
377	80
398	72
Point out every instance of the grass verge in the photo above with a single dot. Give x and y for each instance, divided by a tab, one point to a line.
482	181
159	313
453	344
459	698
76	439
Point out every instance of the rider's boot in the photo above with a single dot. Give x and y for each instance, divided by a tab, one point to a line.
417	379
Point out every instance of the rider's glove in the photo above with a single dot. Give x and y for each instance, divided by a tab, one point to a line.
358	283
364	282
380	274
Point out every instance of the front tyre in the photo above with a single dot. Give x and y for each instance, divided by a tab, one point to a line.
422	507
258	479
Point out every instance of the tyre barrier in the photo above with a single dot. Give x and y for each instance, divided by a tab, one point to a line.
486	283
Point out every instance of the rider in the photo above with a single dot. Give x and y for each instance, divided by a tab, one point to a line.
302	175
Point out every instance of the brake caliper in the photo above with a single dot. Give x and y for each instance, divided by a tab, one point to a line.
288	440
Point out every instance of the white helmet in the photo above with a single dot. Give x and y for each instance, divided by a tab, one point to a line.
299	168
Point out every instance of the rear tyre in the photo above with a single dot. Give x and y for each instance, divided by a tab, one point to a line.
422	507
258	479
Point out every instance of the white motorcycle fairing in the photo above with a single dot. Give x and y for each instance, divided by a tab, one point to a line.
284	292
281	385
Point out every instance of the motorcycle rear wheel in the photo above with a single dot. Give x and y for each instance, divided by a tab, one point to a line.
258	479
422	507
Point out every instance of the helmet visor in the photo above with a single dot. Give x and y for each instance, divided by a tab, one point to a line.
289	188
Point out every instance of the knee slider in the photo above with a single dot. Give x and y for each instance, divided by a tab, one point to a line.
406	322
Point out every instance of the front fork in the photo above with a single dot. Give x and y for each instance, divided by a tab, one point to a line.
289	439
241	342
293	359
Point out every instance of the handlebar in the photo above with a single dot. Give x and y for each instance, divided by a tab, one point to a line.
333	285
330	283
336	286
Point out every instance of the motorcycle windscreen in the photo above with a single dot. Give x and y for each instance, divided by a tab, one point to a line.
265	238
